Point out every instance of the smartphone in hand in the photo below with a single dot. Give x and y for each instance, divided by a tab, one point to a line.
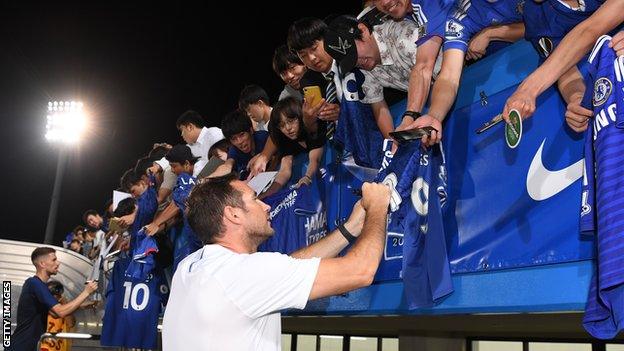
404	136
312	95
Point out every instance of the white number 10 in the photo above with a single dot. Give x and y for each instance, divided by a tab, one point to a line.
131	295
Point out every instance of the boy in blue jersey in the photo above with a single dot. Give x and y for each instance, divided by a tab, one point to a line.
480	20
36	301
246	143
604	314
182	163
546	24
146	197
572	48
431	16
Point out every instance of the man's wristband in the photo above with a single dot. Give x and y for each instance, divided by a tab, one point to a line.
350	238
413	114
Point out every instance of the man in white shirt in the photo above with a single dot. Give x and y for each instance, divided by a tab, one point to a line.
199	138
227	296
386	54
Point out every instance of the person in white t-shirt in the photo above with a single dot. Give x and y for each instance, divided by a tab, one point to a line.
199	138
227	296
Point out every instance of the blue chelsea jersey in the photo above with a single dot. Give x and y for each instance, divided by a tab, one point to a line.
604	313
431	16
471	16
132	308
298	218
418	180
547	23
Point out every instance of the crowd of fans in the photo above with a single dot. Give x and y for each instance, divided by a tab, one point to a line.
392	45
389	45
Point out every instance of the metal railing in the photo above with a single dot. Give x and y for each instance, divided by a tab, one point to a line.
67	336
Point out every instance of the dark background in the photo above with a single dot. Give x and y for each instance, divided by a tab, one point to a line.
137	68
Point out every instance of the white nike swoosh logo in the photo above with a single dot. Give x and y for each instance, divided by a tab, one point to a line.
542	183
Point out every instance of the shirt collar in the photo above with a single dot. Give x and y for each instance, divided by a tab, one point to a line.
202	135
334	68
384	51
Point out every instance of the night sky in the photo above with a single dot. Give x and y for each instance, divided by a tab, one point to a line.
136	68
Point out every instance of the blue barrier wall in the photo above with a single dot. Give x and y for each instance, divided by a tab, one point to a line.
515	221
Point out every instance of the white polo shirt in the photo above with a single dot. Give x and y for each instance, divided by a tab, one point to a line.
222	300
207	137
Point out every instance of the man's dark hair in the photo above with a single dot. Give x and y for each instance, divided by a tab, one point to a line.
304	32
125	207
190	117
87	214
235	122
250	95
223	145
284	57
206	204
291	109
143	164
128	179
55	287
40	252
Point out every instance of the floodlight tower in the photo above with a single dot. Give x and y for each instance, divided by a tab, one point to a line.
66	122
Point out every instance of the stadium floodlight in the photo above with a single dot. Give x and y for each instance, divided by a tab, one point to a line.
66	121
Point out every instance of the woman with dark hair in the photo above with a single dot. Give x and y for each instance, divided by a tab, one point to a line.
291	137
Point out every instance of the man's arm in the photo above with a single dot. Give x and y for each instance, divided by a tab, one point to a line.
282	177
383	117
168	213
571	85
568	53
422	73
334	242
357	268
572	88
258	163
64	310
443	95
314	159
505	32
163	194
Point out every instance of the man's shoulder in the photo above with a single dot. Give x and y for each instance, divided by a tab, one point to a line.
211	133
33	281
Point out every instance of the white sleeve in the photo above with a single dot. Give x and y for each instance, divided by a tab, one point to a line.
267	282
169	179
214	135
99	238
373	91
